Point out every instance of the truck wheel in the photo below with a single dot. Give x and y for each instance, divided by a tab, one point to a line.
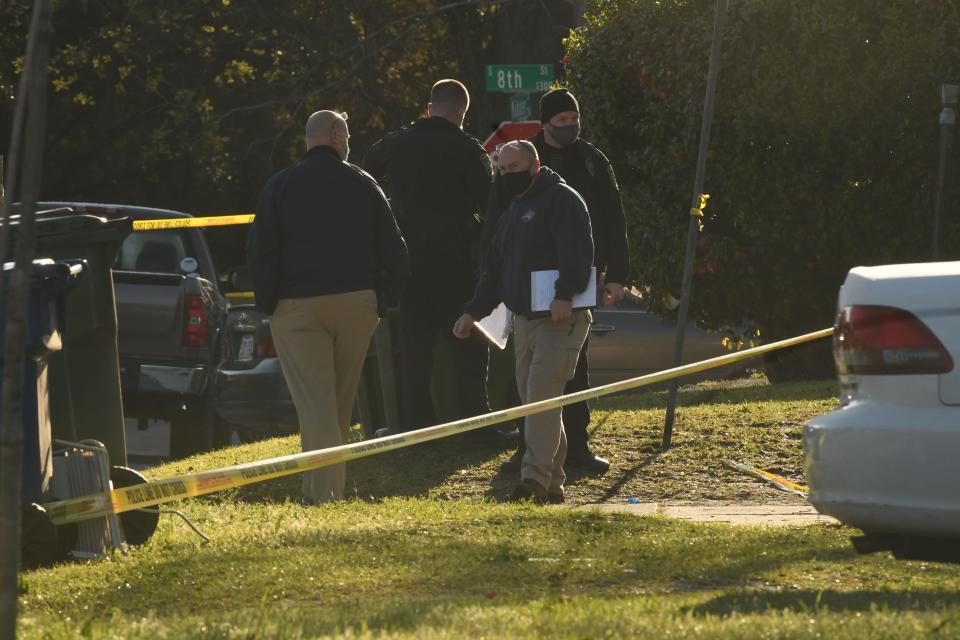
191	431
137	525
38	538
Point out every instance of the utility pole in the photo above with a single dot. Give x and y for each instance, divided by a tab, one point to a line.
696	207
949	94
24	184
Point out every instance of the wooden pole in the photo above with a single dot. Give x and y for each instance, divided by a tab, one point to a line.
11	421
693	229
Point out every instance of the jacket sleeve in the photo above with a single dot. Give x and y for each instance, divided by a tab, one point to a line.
392	251
263	248
574	244
375	162
615	240
497	203
486	295
477	186
481	173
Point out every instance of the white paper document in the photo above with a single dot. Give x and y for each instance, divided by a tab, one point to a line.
496	327
543	289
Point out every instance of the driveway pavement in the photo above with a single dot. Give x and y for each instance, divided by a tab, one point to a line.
772	515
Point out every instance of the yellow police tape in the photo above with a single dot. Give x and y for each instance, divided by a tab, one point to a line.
184	223
772	478
204	482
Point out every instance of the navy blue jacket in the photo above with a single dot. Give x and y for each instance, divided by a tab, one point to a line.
323	226
546	228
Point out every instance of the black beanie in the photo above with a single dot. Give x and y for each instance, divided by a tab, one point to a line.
556	101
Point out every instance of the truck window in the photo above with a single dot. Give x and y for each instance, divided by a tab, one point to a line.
154	251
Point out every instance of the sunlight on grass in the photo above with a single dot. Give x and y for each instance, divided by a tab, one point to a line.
423	552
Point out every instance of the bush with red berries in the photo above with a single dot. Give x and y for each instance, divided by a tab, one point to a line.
823	154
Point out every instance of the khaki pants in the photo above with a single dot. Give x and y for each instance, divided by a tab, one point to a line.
322	343
546	355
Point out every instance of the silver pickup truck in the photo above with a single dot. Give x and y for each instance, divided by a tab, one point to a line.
169	314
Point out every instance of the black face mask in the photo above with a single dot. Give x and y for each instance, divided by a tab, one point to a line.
567	135
513	184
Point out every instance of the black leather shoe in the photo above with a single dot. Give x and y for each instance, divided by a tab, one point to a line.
512	465
529	489
585	460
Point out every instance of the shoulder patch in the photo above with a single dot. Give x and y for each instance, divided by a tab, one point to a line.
591	166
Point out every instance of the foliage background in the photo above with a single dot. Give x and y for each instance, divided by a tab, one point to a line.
823	154
192	104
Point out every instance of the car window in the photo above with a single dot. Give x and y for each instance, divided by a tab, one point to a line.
154	251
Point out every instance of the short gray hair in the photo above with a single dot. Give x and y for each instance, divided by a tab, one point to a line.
525	146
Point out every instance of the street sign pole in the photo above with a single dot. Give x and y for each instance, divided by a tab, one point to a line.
694	226
949	95
521	107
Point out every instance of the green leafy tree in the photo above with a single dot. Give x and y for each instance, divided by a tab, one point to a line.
823	154
192	105
187	104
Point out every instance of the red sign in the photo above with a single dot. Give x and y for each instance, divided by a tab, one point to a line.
507	132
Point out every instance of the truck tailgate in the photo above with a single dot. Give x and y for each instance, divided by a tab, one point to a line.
150	314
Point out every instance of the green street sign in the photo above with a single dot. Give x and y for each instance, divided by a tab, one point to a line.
519	78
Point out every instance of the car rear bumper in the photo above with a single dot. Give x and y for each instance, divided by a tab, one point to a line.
886	468
163	379
257	398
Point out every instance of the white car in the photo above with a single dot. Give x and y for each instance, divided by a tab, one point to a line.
888	460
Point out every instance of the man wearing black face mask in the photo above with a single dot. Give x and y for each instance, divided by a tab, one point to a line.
587	170
545	227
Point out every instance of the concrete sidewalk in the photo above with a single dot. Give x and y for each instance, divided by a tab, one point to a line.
772	515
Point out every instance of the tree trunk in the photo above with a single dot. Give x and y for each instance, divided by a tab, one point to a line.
34	92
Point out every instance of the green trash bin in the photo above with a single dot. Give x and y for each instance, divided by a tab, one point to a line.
84	377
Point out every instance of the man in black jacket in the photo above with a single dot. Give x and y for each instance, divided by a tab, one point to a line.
587	170
438	177
326	256
546	227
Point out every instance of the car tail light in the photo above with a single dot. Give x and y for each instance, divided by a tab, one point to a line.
878	340
266	348
196	331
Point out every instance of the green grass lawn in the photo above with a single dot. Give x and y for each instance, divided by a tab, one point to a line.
426	551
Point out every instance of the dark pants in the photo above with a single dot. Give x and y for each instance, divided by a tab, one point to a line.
576	417
424	319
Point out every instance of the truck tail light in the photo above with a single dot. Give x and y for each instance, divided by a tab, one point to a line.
879	340
196	331
266	348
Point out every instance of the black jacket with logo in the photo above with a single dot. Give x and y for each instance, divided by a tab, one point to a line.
588	171
438	179
323	226
545	228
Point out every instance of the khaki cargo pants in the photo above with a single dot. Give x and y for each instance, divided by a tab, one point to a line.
546	355
322	343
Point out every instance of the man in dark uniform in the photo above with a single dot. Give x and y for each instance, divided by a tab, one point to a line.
438	177
588	171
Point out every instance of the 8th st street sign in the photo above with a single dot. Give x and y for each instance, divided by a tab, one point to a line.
519	78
